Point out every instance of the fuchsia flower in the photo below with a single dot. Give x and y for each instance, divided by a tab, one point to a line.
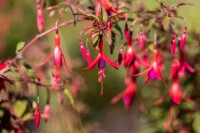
130	55
173	44
40	18
46	112
154	70
101	56
175	91
101	60
37	116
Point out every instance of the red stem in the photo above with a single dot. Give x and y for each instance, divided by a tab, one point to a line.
66	23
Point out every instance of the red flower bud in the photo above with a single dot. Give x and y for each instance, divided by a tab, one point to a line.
183	39
141	40
37	116
57	58
46	112
175	92
40	19
173	44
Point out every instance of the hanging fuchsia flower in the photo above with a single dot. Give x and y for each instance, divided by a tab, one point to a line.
101	55
40	19
183	39
37	116
101	60
173	44
175	91
154	70
46	112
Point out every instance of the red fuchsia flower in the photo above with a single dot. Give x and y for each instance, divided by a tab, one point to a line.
40	19
37	116
85	53
175	91
154	70
46	112
130	55
101	56
184	66
173	45
183	39
101	60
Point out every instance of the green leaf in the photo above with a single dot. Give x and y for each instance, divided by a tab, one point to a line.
1	113
95	40
26	116
69	96
166	22
196	122
151	47
4	131
20	107
20	46
92	17
30	73
114	16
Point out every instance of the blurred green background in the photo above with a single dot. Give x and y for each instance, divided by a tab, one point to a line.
95	113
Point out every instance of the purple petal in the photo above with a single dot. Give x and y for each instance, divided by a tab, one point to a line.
152	74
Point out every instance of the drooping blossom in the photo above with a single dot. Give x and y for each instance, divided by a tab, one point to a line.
101	55
101	60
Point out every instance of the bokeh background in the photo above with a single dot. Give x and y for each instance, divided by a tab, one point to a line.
94	113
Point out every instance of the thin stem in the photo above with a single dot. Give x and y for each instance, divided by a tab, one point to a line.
37	37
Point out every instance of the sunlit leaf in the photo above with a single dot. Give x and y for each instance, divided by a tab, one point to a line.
69	96
196	122
166	22
20	46
20	107
26	116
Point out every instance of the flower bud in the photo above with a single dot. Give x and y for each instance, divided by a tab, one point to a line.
37	116
46	112
40	19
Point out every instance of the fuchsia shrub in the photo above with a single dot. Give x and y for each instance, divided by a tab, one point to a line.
139	54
